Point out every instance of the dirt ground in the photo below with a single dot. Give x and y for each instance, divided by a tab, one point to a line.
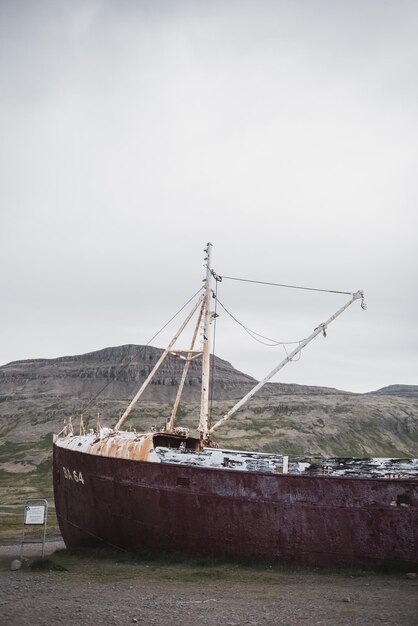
108	592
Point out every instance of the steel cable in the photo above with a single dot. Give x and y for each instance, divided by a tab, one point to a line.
260	282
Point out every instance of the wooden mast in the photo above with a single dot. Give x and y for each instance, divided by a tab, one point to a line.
207	321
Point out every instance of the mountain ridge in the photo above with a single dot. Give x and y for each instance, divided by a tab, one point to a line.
151	354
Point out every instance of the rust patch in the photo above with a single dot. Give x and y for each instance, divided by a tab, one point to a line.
137	449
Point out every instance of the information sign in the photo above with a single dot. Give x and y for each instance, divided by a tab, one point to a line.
35	514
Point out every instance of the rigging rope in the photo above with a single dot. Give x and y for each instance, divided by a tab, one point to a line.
123	367
260	282
174	316
250	332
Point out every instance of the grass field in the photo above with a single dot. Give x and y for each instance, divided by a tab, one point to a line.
11	523
103	565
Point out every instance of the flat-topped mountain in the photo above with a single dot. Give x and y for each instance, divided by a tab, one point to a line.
116	373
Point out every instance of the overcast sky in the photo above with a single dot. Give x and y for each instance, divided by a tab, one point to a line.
284	132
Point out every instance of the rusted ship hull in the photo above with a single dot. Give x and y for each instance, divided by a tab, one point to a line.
312	520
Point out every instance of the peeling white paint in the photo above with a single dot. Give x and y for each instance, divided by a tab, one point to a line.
135	446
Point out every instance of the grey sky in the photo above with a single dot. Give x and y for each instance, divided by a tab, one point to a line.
283	132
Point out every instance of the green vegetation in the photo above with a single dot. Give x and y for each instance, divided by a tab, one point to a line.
342	409
26	470
105	566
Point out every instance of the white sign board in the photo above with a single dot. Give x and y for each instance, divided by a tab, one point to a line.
34	514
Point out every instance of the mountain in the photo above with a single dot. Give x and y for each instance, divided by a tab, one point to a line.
404	391
114	373
36	395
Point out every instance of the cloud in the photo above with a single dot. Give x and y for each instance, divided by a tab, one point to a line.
132	133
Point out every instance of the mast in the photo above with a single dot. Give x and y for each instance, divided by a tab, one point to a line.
207	320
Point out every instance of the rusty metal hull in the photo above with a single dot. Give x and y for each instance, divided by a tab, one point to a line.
312	520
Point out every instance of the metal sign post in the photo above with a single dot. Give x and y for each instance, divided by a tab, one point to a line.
35	514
